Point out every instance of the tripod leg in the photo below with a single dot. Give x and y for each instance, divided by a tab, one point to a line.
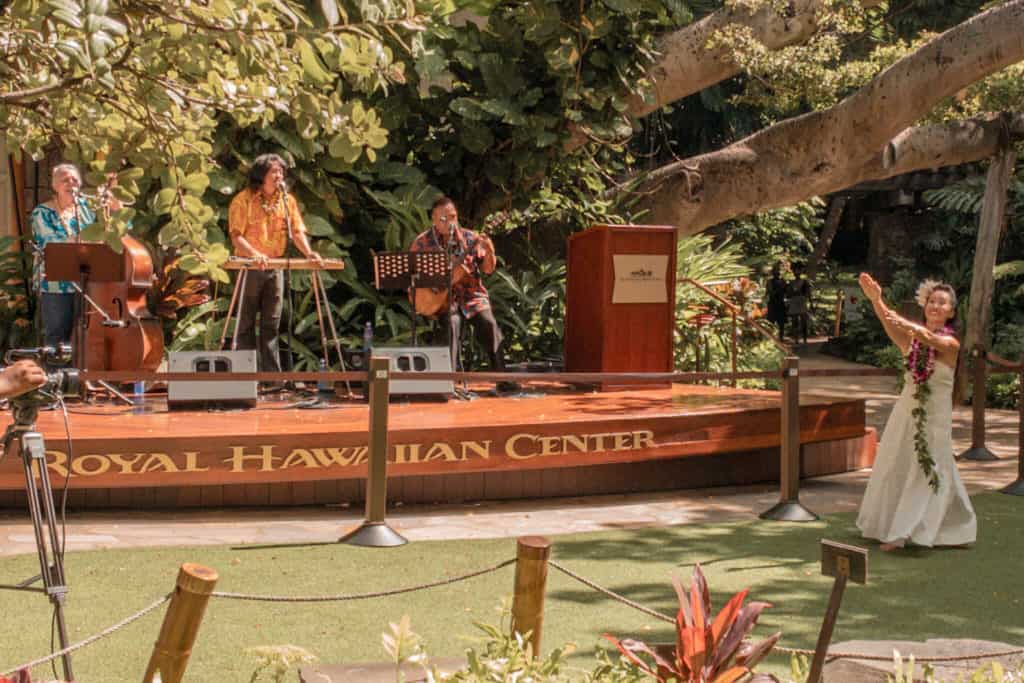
40	503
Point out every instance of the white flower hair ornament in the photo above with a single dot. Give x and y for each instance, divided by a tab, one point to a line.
924	291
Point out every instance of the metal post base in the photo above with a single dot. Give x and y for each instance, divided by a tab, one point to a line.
978	453
1014	489
374	535
789	511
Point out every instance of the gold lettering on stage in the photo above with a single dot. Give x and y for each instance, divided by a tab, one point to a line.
643	439
407	453
299	456
125	463
549	445
81	465
56	461
511	450
441	451
579	443
159	462
481	448
239	458
190	463
521	446
345	457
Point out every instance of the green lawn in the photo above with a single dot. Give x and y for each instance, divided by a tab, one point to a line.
916	594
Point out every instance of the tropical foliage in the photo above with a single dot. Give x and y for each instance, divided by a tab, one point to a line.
707	650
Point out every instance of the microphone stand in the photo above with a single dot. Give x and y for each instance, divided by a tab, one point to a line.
454	310
283	189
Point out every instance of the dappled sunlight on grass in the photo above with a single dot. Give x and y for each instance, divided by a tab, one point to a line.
915	594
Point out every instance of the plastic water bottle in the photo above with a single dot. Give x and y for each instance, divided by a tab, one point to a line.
367	338
139	397
323	386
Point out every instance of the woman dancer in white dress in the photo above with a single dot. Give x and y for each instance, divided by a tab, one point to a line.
915	494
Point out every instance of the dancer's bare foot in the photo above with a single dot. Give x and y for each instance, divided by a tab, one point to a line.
889	547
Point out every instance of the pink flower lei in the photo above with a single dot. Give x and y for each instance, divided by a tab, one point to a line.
922	365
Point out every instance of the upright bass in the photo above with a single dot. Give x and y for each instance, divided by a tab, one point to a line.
126	336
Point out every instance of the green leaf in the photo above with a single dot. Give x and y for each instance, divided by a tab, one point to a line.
164	200
329	8
196	183
318	225
343	148
311	64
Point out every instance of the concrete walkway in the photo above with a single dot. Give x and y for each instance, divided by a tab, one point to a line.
839	493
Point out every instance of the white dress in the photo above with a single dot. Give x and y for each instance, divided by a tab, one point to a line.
899	506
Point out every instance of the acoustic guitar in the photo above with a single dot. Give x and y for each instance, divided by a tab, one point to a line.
431	302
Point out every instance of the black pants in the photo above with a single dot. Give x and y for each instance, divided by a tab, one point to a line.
263	295
486	329
58	313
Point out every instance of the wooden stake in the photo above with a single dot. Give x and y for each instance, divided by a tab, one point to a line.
532	554
377	480
181	623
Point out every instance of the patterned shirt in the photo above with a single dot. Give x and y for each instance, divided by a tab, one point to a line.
263	226
48	227
469	293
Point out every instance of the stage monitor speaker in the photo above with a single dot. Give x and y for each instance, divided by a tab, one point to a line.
418	359
226	393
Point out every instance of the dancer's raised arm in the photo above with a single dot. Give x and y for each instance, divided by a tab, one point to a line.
873	291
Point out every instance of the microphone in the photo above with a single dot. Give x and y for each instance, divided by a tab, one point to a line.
282	185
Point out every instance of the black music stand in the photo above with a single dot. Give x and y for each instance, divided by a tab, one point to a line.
411	270
82	262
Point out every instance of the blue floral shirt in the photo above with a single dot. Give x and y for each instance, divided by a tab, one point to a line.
47	227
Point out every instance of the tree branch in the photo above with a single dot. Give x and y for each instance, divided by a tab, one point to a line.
828	150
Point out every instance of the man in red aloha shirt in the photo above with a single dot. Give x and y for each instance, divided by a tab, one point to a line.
474	254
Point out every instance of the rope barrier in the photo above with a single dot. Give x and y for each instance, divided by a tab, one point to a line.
91	639
778	648
360	596
612	594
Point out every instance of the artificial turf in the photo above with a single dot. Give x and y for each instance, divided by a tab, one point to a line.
914	594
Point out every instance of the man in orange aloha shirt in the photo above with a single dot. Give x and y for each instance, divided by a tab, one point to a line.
258	221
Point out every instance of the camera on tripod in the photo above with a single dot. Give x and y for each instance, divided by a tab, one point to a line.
61	381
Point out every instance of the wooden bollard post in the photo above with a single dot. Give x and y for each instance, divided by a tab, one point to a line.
789	508
181	623
978	449
374	531
1017	487
845	563
531	580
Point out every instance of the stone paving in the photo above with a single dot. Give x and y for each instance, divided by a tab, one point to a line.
838	493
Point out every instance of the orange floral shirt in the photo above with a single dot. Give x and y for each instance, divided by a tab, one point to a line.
264	226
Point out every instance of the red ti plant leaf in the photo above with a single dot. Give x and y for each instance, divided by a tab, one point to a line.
629	648
743	624
749	655
731	674
706	650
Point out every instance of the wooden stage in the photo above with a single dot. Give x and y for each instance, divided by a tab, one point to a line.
551	442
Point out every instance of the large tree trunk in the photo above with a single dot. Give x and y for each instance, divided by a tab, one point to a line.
990	229
828	233
826	151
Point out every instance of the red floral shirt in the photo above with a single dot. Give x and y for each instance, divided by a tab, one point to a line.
469	293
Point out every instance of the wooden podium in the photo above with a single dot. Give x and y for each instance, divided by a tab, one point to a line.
620	300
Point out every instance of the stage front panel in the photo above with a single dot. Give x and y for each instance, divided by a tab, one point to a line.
115	448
